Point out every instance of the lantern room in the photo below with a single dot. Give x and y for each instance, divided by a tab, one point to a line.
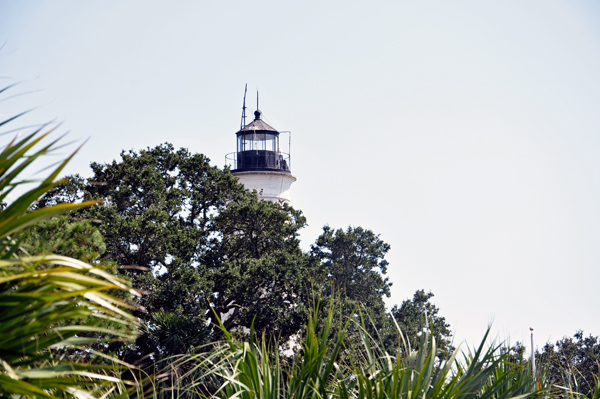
258	148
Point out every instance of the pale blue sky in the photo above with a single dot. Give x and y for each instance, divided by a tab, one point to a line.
466	133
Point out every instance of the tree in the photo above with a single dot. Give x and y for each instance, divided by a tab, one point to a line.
159	206
572	362
77	239
203	248
349	267
264	276
198	243
353	261
417	315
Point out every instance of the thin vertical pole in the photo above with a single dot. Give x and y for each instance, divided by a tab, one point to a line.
243	121
532	354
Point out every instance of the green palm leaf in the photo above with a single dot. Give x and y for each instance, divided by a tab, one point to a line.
51	305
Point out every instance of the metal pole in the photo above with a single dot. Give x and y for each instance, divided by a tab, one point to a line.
532	353
243	121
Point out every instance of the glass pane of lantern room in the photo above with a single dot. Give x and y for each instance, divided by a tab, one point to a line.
258	141
268	140
274	142
246	142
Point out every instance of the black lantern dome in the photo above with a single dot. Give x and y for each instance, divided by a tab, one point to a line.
258	148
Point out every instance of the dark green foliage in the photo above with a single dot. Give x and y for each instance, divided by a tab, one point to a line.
350	265
263	277
192	236
66	191
77	239
572	362
174	332
159	206
418	315
353	263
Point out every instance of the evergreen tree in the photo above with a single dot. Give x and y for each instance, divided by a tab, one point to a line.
198	244
203	248
417	315
572	362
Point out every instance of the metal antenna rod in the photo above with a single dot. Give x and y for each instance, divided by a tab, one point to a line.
532	353
243	121
257	100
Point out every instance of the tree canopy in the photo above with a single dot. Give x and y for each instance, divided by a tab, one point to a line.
197	243
418	315
78	239
572	360
354	262
202	247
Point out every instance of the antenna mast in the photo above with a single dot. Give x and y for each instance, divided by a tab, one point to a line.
532	354
257	100
243	122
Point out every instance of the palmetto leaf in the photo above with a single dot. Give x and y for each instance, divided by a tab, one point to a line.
254	370
50	303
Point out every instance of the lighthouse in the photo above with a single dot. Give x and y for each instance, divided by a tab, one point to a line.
259	163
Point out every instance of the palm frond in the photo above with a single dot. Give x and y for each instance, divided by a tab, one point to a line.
51	306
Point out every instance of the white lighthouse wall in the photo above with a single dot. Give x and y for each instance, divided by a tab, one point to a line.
275	186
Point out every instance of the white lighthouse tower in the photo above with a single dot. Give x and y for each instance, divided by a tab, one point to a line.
259	162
